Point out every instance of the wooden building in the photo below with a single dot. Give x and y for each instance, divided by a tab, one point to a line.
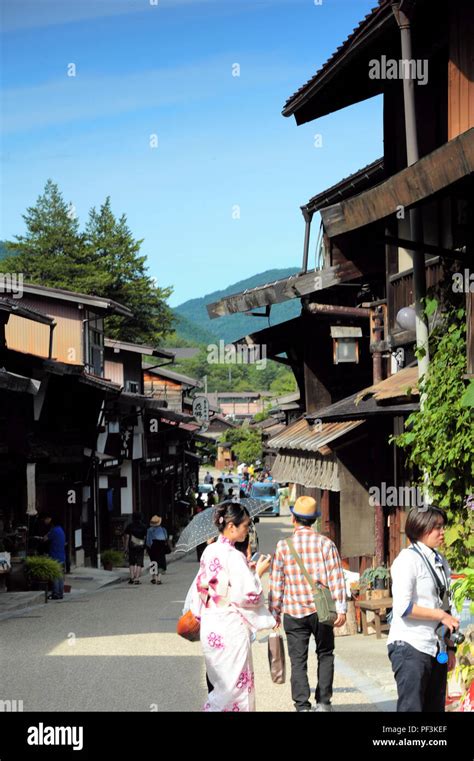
78	436
423	206
168	386
367	240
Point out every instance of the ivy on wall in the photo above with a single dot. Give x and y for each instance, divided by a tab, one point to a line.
439	438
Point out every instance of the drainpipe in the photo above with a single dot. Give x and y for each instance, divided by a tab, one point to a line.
378	330
308	216
411	136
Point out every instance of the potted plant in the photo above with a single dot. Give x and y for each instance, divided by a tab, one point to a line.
375	578
41	571
111	558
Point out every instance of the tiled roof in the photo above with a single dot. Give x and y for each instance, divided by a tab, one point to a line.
359	30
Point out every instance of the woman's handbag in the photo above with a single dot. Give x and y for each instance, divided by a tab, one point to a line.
167	547
323	602
276	658
189	627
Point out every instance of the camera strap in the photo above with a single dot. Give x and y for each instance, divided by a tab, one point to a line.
440	588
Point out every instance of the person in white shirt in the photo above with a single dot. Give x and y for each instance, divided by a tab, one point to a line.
420	591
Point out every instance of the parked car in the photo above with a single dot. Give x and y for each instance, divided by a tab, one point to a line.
269	493
204	490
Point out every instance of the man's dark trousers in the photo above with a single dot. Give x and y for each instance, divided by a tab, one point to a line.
298	633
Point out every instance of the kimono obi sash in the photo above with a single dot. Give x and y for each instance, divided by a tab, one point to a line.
214	593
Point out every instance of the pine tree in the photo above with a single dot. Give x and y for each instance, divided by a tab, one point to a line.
51	252
110	243
102	261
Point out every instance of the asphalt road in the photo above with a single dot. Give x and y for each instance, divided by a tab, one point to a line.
117	650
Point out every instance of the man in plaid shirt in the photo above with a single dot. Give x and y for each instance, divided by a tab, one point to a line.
290	593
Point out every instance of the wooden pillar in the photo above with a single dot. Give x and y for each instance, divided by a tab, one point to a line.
317	354
379	535
325	514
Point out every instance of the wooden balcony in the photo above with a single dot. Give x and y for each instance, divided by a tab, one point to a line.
401	292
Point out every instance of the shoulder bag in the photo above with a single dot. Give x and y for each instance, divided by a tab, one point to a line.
323	602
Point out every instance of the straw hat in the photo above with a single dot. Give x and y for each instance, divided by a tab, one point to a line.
155	520
305	507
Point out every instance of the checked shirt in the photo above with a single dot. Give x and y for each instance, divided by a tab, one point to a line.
289	591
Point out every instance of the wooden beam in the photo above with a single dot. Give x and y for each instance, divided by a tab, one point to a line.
427	248
284	290
439	169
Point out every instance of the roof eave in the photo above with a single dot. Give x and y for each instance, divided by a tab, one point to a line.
297	102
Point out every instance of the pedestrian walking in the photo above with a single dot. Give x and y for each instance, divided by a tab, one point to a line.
57	551
157	544
135	536
208	478
228	598
290	593
220	489
421	615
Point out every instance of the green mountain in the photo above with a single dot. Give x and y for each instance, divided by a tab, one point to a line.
189	329
4	250
194	321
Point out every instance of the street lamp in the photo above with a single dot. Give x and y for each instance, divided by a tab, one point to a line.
406	318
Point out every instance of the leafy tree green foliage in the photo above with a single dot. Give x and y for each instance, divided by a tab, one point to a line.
438	438
246	442
175	340
238	377
103	260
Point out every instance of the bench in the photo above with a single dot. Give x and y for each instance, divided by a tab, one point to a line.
376	606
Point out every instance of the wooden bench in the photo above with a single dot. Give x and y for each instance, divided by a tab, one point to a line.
376	606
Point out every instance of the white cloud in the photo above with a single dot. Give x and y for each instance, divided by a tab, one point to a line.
72	99
26	14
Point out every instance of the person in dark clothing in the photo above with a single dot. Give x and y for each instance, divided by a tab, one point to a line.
157	546
220	489
57	551
135	536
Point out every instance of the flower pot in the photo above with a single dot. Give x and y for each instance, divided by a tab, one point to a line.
108	566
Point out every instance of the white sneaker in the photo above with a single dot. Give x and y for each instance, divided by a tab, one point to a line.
323	708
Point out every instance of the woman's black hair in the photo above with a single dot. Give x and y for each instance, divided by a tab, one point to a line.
229	512
421	521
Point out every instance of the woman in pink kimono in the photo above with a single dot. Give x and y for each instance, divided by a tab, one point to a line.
228	598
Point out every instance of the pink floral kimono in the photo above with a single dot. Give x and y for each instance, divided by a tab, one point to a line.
228	598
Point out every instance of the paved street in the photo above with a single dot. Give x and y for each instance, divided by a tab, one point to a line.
117	650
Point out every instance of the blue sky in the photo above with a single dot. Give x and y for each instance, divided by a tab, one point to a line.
166	70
